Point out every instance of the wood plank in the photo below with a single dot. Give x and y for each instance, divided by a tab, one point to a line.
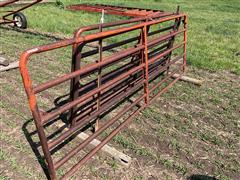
111	151
3	61
12	65
198	82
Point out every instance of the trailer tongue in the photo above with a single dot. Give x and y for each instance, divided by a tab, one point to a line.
18	18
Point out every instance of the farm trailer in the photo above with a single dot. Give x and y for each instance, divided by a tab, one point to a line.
19	19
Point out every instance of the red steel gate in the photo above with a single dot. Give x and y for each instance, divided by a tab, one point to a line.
138	67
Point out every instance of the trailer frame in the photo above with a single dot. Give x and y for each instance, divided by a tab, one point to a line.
19	18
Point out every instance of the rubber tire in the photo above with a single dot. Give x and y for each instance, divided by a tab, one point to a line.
22	18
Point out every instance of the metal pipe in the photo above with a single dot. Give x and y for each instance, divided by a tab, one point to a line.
86	69
70	132
97	97
94	135
64	108
90	68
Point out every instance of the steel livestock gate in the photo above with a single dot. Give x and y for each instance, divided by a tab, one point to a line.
149	51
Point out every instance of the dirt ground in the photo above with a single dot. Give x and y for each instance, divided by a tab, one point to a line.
189	132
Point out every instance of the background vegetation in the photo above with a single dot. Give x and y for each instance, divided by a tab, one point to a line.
190	131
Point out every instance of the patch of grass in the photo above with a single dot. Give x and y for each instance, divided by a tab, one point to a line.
175	144
2	177
173	165
141	151
19	145
138	178
113	163
12	109
98	174
210	138
213	37
194	122
6	156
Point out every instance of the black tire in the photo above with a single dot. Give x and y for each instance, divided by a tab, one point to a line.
21	20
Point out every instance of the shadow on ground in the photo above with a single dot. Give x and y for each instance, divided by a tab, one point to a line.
201	177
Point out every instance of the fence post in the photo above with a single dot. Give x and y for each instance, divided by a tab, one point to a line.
99	81
75	82
145	60
185	21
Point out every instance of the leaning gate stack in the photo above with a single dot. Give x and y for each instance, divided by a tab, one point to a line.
133	62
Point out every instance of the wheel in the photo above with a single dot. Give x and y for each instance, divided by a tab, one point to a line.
20	20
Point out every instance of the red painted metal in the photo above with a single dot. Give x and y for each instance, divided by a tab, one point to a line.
133	76
117	10
7	13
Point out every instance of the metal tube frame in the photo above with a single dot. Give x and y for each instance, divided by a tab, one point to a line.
4	19
117	10
133	78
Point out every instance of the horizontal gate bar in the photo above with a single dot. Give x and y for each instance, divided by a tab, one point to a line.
118	44
133	76
166	88
25	56
62	109
49	116
113	133
94	135
66	134
105	62
87	69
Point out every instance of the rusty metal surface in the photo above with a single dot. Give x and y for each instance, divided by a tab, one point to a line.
117	10
134	76
4	19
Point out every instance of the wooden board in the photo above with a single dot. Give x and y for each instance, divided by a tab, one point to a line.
198	82
111	151
12	65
